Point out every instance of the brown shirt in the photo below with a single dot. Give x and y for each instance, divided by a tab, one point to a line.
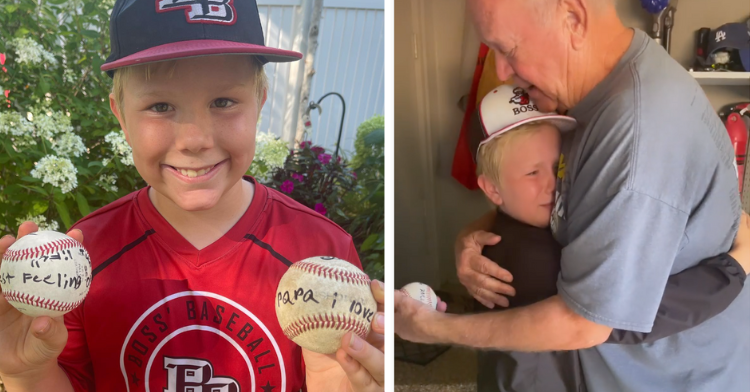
530	254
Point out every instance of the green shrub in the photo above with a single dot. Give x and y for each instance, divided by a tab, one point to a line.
62	153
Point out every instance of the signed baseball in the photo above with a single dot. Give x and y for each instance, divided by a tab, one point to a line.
422	293
45	273
320	299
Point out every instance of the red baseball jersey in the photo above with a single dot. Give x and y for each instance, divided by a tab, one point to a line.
163	316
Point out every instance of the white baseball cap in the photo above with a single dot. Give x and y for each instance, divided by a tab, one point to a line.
508	107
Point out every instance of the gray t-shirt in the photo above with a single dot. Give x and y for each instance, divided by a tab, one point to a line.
649	177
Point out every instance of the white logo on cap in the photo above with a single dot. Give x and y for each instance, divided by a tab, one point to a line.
720	36
201	11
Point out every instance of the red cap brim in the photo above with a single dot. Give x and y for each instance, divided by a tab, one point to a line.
196	48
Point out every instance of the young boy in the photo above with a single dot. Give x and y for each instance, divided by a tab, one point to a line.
185	271
517	159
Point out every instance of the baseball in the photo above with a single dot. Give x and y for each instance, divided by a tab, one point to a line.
45	273
422	293
320	299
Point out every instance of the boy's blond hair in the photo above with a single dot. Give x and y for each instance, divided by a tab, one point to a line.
123	74
490	155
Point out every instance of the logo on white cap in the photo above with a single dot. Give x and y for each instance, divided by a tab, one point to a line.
507	107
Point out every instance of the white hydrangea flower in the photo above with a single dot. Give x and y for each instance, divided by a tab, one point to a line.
56	171
69	144
69	76
107	181
29	51
51	124
12	123
270	150
120	147
106	161
40	221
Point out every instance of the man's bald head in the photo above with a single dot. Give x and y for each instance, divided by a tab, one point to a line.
549	45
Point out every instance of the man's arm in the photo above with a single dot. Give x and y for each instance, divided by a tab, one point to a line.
544	326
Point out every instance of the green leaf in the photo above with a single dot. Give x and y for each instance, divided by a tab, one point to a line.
39	207
57	2
35	189
90	34
375	138
83	204
62	209
43	87
369	242
97	62
95	163
11	8
21	32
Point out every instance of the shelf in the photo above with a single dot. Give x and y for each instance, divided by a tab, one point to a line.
722	78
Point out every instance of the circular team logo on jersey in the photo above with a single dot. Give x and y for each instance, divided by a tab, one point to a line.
201	341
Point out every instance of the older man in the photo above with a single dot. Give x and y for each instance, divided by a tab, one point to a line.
647	177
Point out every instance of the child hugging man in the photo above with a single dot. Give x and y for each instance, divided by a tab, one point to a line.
517	165
185	270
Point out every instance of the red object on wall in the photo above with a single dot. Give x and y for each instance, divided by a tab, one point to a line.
738	136
464	169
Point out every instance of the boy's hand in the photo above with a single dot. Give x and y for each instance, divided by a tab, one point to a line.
364	361
486	281
741	248
358	366
29	346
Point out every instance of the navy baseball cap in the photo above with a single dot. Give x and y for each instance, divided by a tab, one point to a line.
148	31
732	36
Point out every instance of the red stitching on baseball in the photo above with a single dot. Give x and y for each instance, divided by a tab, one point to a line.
54	246
333	273
40	302
429	297
339	322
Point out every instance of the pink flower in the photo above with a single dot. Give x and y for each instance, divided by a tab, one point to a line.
305	144
318	150
5	70
324	158
287	187
7	92
320	209
354	174
298	177
2	58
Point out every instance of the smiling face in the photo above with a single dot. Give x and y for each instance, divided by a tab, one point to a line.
192	128
524	179
529	44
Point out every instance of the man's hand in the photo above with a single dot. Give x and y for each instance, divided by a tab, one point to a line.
29	346
361	363
485	280
412	319
741	248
